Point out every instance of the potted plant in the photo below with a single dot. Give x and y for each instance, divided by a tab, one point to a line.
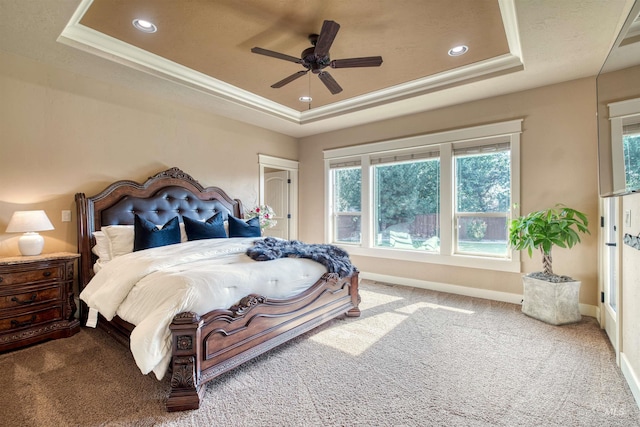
547	296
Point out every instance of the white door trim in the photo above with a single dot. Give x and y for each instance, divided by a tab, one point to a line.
266	162
610	271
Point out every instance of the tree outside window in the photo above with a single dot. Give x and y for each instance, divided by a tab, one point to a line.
407	200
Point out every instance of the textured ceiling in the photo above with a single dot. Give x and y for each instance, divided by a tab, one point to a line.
214	37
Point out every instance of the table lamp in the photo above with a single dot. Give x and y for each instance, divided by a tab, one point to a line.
29	223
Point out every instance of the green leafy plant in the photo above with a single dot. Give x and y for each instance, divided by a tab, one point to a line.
559	226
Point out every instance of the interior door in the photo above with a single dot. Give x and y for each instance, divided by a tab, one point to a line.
611	291
276	195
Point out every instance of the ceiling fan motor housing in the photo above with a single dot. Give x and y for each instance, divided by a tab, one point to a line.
312	62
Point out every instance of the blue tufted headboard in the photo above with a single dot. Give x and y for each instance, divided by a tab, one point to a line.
161	206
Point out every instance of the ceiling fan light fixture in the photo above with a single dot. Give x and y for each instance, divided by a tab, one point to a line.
305	99
458	50
144	25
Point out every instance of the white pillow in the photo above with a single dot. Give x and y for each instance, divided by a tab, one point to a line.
183	233
102	249
120	239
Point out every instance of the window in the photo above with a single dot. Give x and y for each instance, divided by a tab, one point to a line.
625	146
483	199
346	178
407	202
441	198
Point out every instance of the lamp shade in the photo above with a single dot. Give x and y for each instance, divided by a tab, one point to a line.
29	223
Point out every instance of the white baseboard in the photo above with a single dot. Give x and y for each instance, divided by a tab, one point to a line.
590	310
631	377
445	287
585	309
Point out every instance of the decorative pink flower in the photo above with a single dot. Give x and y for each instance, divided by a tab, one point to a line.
265	216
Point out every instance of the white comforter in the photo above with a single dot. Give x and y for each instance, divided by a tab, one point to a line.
148	288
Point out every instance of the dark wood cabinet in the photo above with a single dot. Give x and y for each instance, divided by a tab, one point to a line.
36	299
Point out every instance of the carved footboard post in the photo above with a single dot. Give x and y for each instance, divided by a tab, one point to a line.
355	296
186	390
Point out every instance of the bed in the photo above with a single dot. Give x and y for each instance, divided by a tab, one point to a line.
204	345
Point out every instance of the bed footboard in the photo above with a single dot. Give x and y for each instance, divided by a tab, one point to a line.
205	347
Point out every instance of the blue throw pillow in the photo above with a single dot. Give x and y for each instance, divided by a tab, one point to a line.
147	235
240	228
213	228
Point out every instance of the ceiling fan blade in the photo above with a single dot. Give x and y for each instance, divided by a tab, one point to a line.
369	61
278	55
329	82
326	37
289	79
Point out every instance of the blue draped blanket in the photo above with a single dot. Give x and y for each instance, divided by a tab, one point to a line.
335	259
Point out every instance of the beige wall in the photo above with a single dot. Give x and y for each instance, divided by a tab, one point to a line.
559	165
64	133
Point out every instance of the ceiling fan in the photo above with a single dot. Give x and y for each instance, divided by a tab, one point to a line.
316	58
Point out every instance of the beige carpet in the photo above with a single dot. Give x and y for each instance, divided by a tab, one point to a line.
414	358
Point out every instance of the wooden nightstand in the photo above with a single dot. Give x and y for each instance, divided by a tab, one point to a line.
36	299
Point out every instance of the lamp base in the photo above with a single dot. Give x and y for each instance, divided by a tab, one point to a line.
31	244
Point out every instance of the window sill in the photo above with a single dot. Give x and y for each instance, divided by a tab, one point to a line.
467	261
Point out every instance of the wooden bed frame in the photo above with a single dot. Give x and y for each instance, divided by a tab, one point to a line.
206	345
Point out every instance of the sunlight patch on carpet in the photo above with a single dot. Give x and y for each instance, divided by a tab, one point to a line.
356	337
410	309
375	299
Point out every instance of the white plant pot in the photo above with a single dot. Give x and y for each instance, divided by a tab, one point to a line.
553	303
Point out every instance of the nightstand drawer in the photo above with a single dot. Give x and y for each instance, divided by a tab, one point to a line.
30	319
33	275
24	299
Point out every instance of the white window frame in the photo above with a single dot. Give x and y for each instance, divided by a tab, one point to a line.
479	135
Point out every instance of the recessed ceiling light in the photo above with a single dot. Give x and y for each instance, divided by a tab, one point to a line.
458	50
305	99
144	26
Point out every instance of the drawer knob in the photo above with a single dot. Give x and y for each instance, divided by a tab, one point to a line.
16	324
29	301
46	274
1	279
